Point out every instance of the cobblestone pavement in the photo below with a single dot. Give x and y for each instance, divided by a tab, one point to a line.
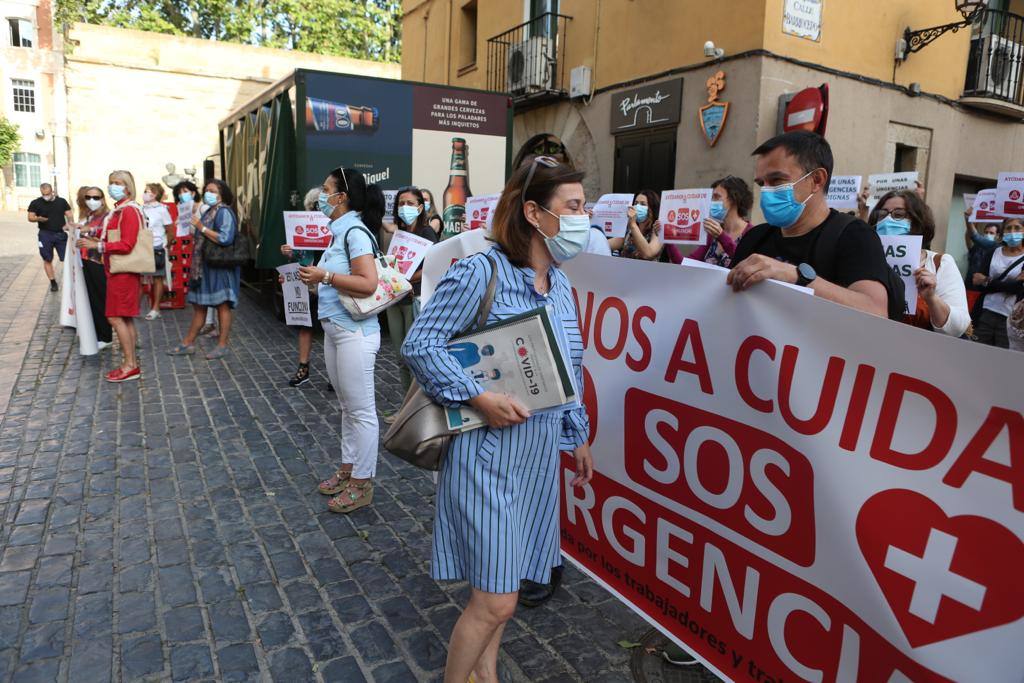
170	530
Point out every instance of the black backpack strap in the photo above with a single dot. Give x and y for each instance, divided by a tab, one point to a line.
751	241
825	249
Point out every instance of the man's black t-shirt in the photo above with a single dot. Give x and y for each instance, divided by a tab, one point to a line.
52	211
858	256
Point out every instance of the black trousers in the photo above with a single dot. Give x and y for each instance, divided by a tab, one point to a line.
96	285
991	329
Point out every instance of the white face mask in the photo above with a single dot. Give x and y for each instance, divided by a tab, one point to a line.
93	204
147	197
572	238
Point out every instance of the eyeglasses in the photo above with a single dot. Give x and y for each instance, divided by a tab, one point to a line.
93	196
546	161
898	214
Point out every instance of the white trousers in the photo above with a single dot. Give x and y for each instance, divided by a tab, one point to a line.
350	358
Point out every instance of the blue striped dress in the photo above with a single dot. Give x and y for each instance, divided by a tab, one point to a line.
497	518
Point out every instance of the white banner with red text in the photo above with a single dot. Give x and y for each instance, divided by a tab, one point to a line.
796	491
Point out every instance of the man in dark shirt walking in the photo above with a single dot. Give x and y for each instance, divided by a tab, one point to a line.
51	213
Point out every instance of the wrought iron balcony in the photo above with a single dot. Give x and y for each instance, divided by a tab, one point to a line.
995	64
528	61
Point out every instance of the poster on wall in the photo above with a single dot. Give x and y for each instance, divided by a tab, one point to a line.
802	18
458	148
791	506
682	216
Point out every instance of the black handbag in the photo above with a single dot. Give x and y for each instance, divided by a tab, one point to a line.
236	253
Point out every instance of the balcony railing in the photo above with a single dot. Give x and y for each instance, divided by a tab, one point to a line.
995	64
528	61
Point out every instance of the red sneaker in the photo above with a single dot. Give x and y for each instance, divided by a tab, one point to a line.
114	375
134	373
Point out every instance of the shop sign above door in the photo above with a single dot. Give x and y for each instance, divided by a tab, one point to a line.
648	106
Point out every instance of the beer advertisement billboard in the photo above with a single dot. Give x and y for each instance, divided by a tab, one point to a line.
458	148
359	123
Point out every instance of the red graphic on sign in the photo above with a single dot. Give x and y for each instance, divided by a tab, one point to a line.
748	480
942	576
312	236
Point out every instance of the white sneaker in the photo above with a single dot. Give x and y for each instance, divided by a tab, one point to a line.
100	345
153	315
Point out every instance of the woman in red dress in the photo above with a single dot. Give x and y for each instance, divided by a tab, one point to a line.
123	289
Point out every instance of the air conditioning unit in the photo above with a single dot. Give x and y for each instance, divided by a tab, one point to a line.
1003	73
531	66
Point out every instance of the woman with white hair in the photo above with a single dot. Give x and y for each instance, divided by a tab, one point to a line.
123	289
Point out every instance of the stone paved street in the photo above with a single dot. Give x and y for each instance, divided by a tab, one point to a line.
170	530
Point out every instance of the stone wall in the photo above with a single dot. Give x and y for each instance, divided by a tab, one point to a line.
139	100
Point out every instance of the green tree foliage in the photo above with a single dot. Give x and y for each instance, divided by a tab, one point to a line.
9	140
364	29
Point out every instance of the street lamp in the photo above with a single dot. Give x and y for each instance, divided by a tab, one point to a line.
970	10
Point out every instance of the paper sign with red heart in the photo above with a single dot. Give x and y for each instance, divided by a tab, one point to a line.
942	576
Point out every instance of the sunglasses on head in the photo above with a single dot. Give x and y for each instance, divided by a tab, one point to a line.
546	161
549	147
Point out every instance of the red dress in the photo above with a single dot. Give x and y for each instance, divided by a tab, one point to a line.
123	289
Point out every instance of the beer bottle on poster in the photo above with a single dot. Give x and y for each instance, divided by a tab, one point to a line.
333	117
457	192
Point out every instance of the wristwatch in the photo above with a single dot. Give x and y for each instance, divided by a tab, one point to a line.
805	274
326	278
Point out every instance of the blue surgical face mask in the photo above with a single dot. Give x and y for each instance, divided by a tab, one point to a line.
116	191
986	240
210	198
893	226
426	206
779	204
408	214
185	198
718	211
641	212
325	208
1013	239
572	238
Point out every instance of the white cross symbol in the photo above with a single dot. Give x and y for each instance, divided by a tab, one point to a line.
932	577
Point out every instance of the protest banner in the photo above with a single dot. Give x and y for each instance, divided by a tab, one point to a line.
969	202
903	254
443	254
408	250
389	206
880	184
480	211
682	216
74	298
308	230
609	213
843	191
794	490
985	208
1010	194
296	296
67	293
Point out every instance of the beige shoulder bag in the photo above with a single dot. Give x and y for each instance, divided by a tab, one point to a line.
420	433
140	259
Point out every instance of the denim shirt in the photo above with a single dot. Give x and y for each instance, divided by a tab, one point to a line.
336	260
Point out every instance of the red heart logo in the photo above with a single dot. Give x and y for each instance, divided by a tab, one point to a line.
942	576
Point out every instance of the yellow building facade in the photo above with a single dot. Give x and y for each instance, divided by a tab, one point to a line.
950	109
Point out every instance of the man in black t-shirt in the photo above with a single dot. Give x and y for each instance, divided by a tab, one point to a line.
804	242
51	213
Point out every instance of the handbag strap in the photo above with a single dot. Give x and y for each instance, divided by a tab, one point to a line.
344	242
1007	271
487	299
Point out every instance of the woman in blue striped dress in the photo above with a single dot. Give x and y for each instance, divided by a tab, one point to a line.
497	519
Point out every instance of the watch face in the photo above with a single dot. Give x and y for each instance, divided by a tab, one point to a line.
806	271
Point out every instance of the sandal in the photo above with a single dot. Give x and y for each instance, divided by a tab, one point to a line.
352	498
301	376
182	350
340	478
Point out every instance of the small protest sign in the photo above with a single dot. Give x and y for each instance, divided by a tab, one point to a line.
609	213
296	296
903	254
480	211
843	191
682	215
308	230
